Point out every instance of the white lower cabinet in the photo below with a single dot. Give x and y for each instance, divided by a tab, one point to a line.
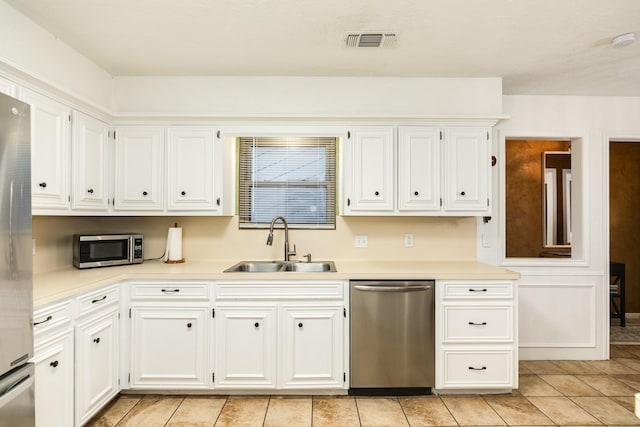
476	335
168	348
97	353
54	380
245	343
312	350
286	335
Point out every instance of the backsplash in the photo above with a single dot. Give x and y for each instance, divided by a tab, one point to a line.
435	238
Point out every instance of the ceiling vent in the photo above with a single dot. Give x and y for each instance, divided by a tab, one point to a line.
370	39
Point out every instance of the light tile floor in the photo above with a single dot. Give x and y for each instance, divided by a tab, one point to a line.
551	393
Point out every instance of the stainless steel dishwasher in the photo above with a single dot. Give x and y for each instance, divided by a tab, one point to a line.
392	337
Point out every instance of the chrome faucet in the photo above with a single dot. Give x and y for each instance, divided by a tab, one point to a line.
287	253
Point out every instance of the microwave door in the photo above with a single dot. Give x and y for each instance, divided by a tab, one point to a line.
16	299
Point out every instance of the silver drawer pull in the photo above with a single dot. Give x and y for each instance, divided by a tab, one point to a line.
170	290
478	324
477	290
471	368
392	288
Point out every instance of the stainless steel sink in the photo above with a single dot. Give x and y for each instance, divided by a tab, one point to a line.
282	266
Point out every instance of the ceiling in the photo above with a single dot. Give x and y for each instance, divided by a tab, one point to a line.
549	47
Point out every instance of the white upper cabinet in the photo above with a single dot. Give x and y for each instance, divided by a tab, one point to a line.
139	166
467	166
194	169
369	170
438	171
419	169
50	140
89	174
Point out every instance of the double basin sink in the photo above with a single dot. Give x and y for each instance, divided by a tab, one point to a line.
282	266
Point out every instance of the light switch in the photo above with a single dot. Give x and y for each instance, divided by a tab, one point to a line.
486	240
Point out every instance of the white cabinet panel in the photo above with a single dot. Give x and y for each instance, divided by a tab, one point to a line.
54	374
90	163
50	140
476	323
312	348
467	163
168	348
479	368
193	169
139	168
419	169
97	359
369	170
245	346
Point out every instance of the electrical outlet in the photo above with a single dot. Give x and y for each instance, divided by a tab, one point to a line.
408	240
362	241
486	240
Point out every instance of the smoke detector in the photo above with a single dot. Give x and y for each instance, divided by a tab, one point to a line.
370	39
623	40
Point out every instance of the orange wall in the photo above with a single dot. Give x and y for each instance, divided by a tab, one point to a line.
523	172
624	211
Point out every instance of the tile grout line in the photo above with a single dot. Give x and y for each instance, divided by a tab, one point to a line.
127	413
220	413
493	409
448	410
264	420
175	410
357	410
403	412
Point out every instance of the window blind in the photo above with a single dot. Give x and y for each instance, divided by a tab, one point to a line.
293	177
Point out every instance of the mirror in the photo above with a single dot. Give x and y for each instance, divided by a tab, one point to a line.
556	199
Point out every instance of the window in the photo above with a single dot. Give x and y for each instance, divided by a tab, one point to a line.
293	177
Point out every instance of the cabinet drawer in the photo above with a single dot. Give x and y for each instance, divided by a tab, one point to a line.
52	316
168	291
481	369
478	290
97	300
478	324
270	290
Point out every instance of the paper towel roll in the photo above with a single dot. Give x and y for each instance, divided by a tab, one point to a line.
173	251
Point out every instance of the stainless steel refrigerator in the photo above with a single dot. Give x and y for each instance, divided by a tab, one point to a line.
16	278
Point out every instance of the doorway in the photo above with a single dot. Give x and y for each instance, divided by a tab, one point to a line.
624	239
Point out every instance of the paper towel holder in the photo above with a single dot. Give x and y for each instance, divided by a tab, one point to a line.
167	259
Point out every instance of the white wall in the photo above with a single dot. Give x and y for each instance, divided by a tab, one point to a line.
28	51
307	96
564	306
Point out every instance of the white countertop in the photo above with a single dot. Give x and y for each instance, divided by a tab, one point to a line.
55	285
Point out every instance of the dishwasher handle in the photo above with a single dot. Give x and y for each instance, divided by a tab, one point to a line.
393	288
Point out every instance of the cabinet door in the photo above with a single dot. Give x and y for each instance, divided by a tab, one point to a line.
369	171
419	169
50	135
245	346
97	365
90	163
194	159
312	347
54	381
466	169
139	168
168	348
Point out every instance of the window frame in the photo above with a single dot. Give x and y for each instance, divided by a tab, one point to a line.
245	186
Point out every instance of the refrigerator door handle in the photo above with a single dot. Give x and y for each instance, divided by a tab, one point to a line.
16	389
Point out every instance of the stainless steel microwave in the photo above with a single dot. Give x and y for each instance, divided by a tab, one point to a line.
105	250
